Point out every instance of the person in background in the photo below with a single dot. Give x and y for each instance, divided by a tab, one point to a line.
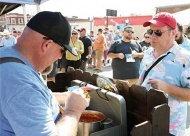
46	72
181	38
126	55
172	74
62	64
20	32
52	74
77	45
183	41
111	32
145	44
8	39
87	48
117	36
1	36
93	56
109	40
99	47
15	34
29	108
187	32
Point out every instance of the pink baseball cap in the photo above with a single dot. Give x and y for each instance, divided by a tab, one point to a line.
82	29
162	19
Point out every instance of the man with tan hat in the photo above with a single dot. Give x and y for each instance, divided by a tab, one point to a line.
166	67
8	39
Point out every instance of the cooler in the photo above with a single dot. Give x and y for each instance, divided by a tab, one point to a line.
112	105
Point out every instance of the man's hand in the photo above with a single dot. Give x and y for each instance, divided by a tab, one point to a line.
181	93
76	102
159	84
134	54
88	56
120	55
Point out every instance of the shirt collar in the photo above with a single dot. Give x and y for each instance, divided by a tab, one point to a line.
174	49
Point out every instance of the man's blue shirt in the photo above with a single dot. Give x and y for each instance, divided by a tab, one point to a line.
27	106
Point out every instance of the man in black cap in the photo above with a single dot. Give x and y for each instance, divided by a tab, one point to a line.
29	108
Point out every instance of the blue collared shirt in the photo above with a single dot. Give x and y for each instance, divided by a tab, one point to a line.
27	106
186	43
11	41
173	69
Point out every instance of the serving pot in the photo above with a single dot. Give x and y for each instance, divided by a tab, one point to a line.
91	121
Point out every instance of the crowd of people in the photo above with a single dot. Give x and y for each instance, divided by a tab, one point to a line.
160	61
92	51
96	51
7	38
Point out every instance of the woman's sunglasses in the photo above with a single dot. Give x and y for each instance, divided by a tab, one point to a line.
156	32
74	33
146	37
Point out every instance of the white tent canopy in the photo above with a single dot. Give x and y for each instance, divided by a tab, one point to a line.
8	5
183	17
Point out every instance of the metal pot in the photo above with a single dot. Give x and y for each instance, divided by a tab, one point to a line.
91	121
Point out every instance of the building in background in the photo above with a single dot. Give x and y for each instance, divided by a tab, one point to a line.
13	21
76	23
118	23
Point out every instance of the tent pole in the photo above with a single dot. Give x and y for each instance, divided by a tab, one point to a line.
5	21
37	8
38	5
24	11
3	9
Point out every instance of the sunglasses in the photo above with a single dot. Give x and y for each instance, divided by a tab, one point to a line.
74	33
146	37
129	31
62	48
157	32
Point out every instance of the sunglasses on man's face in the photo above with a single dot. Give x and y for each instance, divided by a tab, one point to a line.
157	32
129	31
146	37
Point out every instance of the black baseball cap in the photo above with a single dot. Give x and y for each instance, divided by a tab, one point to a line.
53	25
